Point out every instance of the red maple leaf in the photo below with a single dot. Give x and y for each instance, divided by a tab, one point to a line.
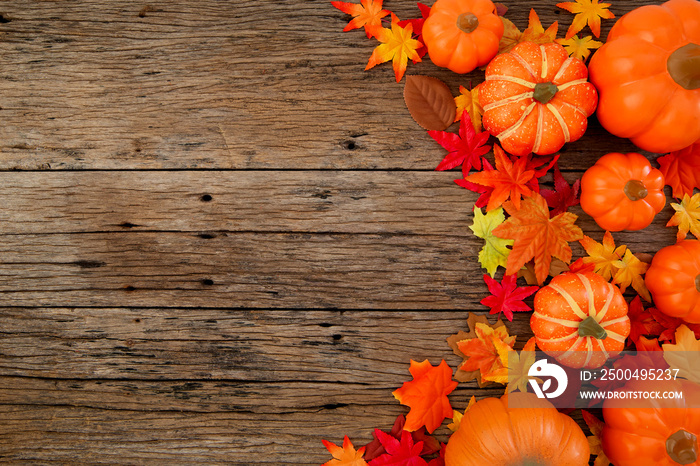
430	444
641	320
403	452
366	13
426	395
681	170
466	149
507	297
564	195
670	324
418	28
541	166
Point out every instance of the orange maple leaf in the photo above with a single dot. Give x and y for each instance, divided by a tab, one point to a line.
397	44
509	179
536	33
345	455
587	12
426	395
482	352
681	170
536	236
367	13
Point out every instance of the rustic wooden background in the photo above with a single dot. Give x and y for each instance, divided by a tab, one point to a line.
222	239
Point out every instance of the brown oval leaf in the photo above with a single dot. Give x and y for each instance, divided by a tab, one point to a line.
430	102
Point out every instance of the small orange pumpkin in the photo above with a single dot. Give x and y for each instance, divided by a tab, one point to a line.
673	279
648	76
653	432
536	98
622	192
492	433
580	319
462	34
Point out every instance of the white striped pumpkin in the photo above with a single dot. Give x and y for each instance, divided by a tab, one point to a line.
536	98
580	319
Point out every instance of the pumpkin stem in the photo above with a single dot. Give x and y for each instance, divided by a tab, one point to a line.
467	22
544	92
635	190
684	66
682	447
590	328
697	283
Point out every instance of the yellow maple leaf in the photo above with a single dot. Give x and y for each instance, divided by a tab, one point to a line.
602	256
345	455
536	33
468	101
630	271
495	251
586	12
579	47
511	36
457	416
684	355
397	45
687	217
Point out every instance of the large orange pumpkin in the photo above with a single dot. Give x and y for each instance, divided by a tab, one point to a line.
653	432
462	34
648	76
536	98
673	279
580	319
492	433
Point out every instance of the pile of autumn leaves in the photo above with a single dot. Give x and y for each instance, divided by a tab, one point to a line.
526	230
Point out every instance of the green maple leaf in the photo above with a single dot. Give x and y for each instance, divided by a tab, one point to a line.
495	251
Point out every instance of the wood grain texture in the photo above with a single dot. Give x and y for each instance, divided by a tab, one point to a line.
244	84
213	386
222	240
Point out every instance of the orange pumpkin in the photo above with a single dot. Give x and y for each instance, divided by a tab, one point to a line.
492	433
462	34
648	76
653	432
622	192
536	98
673	279
580	319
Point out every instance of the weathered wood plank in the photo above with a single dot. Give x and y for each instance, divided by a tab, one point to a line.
210	385
259	270
323	346
263	201
244	84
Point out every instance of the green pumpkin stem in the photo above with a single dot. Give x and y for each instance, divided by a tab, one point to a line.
682	447
684	66
467	22
697	283
635	190
590	328
544	92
